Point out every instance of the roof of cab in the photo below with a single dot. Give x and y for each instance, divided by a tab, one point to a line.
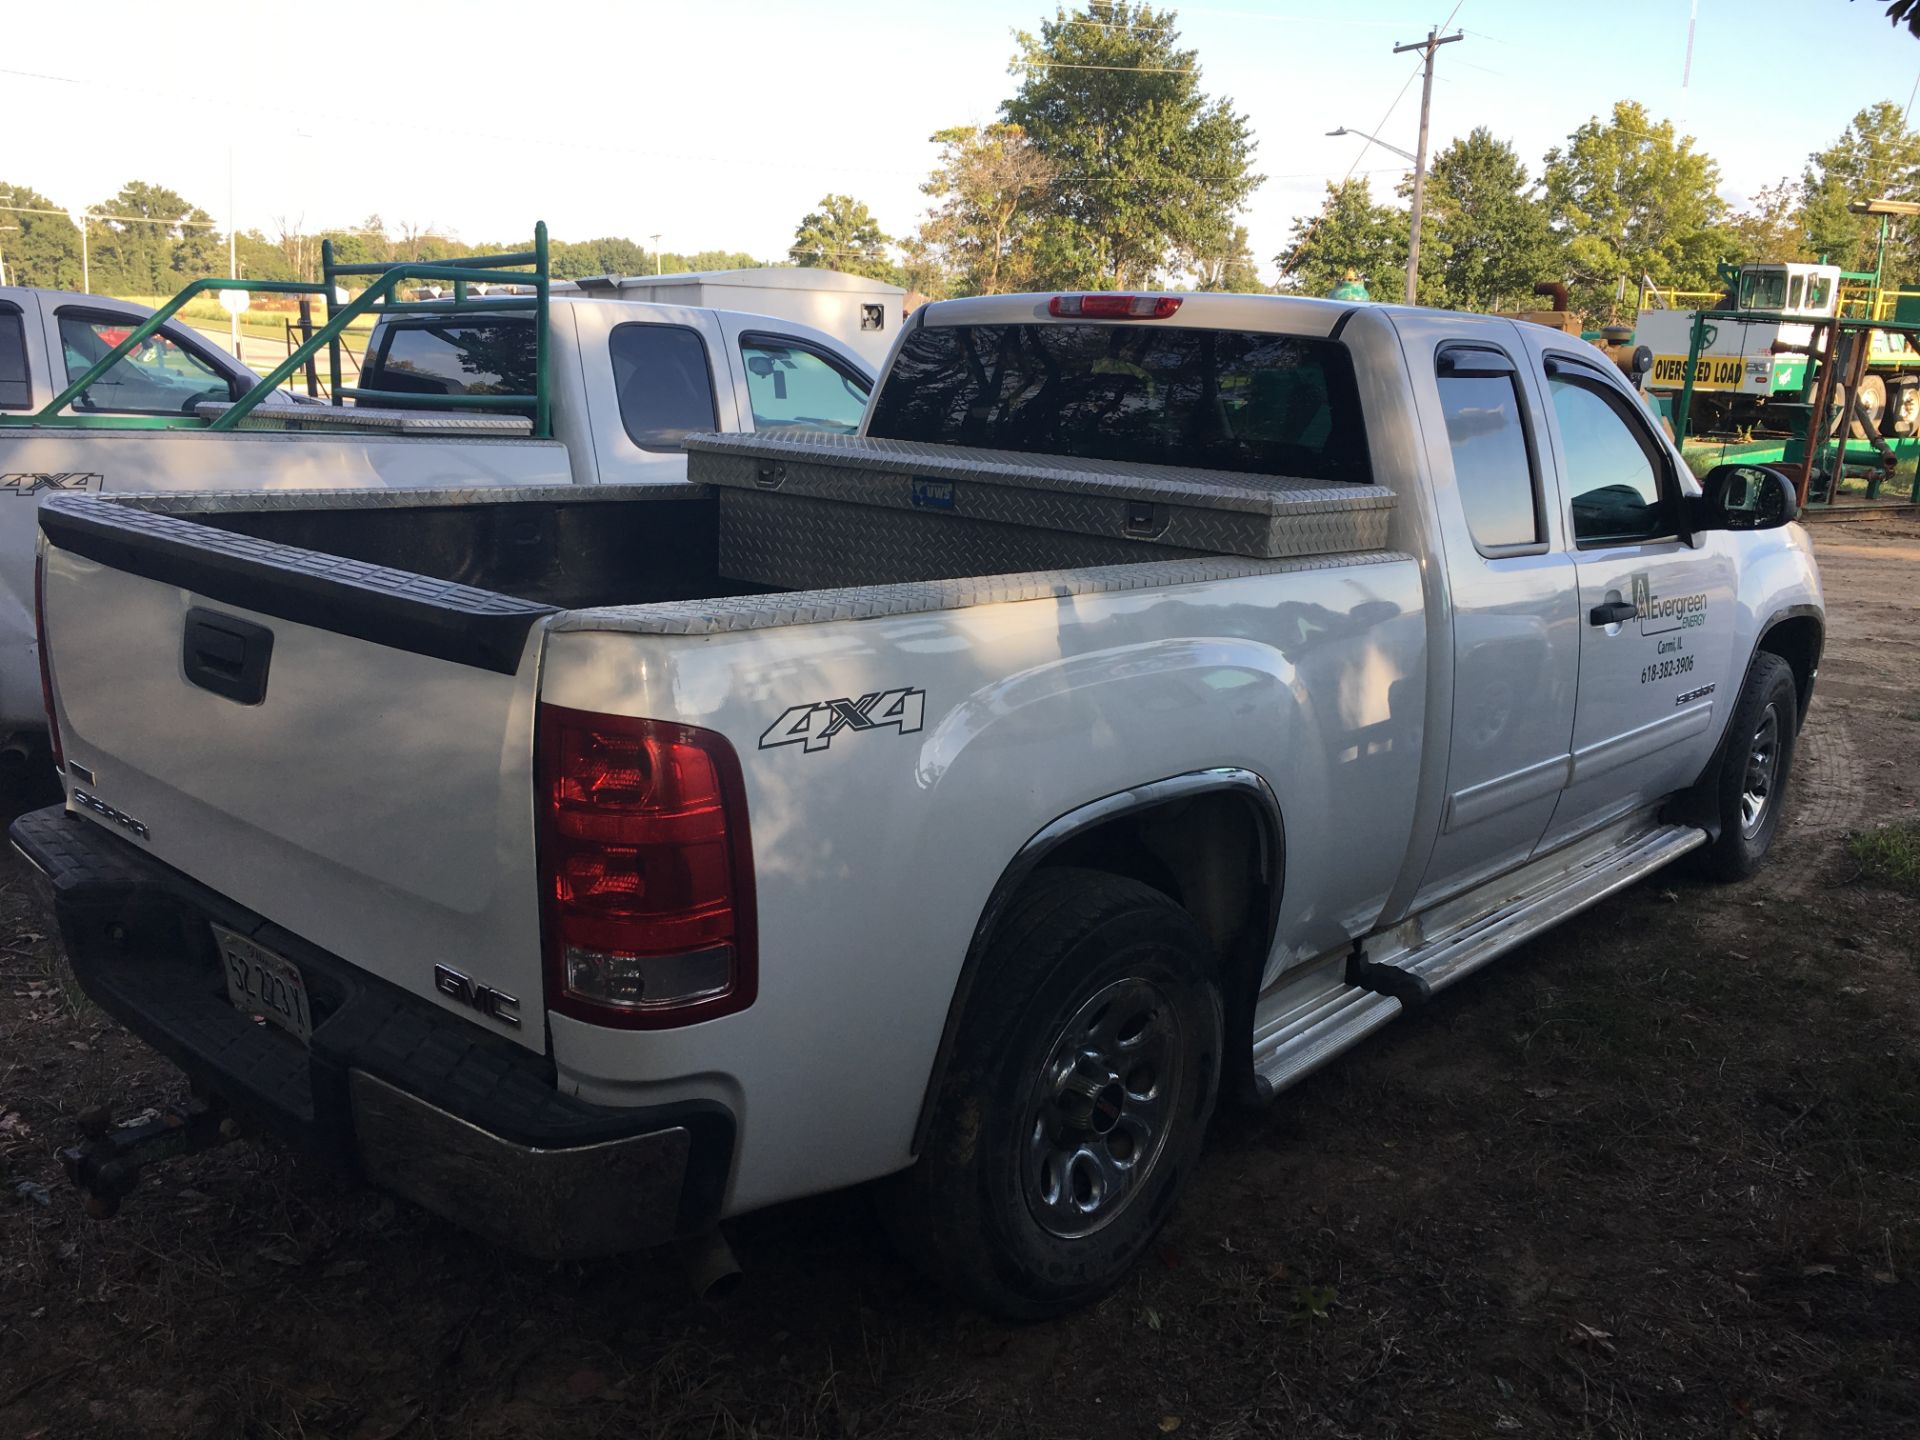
1279	314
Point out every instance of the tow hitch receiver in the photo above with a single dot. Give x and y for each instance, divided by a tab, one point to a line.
107	1164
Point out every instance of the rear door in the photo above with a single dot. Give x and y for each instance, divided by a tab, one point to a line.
1516	641
344	749
652	374
1655	604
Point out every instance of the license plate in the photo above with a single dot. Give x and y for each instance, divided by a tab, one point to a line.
261	983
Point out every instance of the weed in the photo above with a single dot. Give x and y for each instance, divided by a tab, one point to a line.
1890	854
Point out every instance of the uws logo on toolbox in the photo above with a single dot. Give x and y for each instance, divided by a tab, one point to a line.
1659	614
813	727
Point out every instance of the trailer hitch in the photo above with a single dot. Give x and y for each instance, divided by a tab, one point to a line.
107	1164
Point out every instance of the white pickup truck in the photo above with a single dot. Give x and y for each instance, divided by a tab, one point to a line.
1159	695
629	380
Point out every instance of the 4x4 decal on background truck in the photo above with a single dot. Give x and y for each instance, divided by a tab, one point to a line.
32	482
812	727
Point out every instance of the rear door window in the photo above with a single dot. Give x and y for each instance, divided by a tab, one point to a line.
483	357
1215	399
161	377
16	389
1486	430
791	385
664	383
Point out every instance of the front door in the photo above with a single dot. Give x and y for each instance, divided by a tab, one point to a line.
1656	605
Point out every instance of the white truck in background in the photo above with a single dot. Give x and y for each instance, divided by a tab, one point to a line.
1159	695
628	381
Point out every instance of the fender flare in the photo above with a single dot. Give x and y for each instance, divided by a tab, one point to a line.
1063	827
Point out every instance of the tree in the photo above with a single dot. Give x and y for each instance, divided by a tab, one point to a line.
1631	199
1149	169
1876	157
989	187
1351	232
1904	12
843	235
1230	268
1772	227
45	249
1488	234
153	241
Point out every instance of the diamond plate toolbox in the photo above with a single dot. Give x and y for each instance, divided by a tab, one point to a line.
1265	517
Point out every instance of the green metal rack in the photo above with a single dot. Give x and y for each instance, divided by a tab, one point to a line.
521	268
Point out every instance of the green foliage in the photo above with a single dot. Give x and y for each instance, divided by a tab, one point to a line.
1630	199
1772	227
155	240
1890	854
990	192
843	235
1351	233
1230	268
1485	239
45	249
1876	157
1148	169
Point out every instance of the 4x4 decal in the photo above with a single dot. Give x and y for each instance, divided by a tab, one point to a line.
812	727
32	482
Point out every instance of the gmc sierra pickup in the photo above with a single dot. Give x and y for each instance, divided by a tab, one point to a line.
1155	697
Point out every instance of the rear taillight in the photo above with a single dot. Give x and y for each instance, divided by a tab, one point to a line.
1113	307
647	871
46	662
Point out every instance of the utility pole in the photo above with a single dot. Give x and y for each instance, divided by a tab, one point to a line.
1432	43
656	251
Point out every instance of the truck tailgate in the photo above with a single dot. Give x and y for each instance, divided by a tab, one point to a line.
345	749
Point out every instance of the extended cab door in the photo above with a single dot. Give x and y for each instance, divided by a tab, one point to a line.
1655	605
1516	639
651	373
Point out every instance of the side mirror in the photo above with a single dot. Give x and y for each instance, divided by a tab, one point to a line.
1747	497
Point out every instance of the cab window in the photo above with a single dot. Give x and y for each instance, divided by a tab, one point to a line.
1793	294
490	356
1613	471
16	393
794	386
1492	464
160	377
1819	293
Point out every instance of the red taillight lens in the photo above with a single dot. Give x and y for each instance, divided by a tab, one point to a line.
646	869
1113	307
46	663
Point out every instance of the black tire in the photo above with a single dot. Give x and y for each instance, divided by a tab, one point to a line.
1872	402
1757	760
1079	959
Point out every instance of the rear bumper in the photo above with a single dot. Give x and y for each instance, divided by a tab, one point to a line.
422	1103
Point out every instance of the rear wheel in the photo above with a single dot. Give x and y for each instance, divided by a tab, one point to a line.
1754	769
1081	1083
1905	404
1872	403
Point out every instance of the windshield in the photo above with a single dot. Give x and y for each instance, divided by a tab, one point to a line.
1215	399
1763	290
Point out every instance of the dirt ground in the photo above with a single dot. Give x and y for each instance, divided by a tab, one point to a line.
1654	1175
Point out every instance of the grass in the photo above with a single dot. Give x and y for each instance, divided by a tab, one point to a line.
1890	854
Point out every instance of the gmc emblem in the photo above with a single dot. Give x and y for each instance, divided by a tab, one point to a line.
492	1003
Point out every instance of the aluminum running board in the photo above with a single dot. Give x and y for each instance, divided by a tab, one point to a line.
1310	1022
1456	953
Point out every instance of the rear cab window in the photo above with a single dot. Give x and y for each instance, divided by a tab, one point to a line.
163	376
1493	466
16	385
792	385
1213	399
478	357
664	383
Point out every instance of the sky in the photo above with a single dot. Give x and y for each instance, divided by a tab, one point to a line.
717	126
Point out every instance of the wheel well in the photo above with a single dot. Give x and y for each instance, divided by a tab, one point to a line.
1217	854
1209	854
1797	640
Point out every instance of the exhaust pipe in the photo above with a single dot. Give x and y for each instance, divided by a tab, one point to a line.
713	1272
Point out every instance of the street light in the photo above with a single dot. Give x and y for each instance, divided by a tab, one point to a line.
1376	140
1885	209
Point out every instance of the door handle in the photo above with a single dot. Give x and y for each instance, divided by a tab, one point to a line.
1614	612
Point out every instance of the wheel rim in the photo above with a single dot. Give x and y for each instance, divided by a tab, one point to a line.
1098	1113
1763	771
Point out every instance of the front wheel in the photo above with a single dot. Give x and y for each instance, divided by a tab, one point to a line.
1753	770
1081	1083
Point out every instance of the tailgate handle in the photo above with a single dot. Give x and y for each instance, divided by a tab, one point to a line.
226	655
